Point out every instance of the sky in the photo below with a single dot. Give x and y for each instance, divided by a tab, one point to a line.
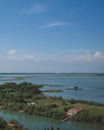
52	36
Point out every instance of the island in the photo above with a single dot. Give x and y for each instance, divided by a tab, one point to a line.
13	124
28	98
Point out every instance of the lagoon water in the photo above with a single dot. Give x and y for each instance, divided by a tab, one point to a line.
92	89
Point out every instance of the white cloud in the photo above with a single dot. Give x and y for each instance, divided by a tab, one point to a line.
12	52
12	55
55	24
35	9
98	54
83	58
78	58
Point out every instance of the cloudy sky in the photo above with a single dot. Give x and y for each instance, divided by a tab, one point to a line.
51	35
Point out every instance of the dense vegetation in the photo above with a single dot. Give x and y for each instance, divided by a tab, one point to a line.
88	116
93	112
3	124
27	98
15	125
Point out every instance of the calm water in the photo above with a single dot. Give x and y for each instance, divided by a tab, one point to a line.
92	90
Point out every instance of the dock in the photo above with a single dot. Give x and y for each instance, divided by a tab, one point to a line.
66	119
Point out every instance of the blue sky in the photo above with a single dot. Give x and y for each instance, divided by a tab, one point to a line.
51	35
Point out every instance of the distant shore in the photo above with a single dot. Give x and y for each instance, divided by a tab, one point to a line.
84	74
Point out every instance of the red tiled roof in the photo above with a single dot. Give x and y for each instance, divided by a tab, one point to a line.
74	110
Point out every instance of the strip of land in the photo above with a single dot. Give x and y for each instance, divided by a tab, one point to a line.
52	91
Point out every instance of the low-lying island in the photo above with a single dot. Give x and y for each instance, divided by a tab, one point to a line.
27	98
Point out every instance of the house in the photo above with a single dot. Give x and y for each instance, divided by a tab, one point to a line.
74	110
32	103
21	111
